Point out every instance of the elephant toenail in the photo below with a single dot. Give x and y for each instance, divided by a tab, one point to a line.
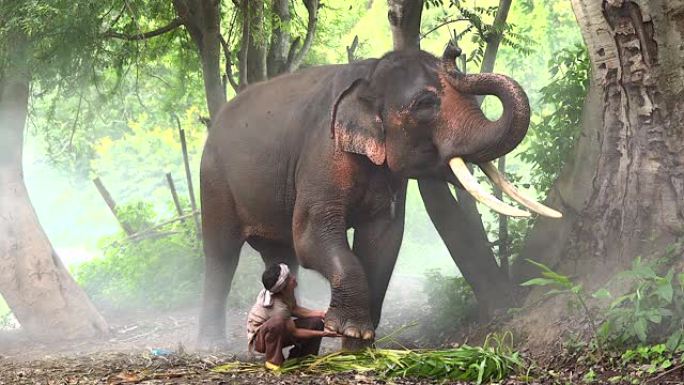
352	332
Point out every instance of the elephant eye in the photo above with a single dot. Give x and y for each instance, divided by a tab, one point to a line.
426	105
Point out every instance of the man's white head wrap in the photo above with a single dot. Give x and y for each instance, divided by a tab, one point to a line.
266	294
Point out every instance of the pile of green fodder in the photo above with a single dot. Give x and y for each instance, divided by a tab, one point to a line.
464	363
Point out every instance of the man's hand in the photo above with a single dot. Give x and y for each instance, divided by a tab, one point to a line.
330	333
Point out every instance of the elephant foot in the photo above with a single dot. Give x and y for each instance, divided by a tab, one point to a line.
355	344
350	323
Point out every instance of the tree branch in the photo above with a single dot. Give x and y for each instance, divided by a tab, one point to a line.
229	64
440	25
245	45
175	23
494	40
351	50
296	60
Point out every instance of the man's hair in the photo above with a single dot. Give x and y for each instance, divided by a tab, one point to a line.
270	276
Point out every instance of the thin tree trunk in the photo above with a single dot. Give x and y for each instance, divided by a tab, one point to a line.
280	37
202	20
44	298
503	242
256	51
404	18
494	40
295	58
634	202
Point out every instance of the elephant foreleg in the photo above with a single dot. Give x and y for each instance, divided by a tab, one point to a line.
321	244
377	244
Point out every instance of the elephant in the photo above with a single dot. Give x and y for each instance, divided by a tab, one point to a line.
292	163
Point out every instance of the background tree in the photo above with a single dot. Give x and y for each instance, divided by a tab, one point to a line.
621	191
34	282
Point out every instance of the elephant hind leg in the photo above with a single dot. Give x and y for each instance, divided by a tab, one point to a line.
223	240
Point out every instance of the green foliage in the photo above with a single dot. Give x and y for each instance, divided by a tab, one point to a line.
652	308
562	284
554	131
650	358
451	301
465	363
480	30
163	270
132	164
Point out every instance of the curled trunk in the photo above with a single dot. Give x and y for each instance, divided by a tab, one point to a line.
488	140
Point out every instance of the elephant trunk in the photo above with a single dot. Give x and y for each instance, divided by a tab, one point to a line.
487	140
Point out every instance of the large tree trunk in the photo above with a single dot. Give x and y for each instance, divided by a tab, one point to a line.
626	198
457	222
42	295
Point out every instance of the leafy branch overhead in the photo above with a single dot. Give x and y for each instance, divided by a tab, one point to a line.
482	33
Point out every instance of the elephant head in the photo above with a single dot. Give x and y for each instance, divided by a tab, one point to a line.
418	115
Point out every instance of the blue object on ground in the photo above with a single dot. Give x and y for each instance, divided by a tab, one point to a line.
161	352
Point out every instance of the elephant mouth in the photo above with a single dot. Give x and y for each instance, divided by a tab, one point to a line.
460	170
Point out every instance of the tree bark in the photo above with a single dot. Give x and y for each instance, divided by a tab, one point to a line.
634	202
44	298
202	19
494	40
256	51
280	37
295	58
404	18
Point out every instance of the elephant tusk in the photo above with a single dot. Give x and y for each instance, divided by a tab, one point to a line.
469	182
501	182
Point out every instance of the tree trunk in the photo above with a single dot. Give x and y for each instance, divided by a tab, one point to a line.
634	202
44	298
404	18
256	51
280	37
202	19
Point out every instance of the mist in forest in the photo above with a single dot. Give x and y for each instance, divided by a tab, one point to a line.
132	141
82	229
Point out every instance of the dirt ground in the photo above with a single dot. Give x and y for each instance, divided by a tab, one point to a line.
157	348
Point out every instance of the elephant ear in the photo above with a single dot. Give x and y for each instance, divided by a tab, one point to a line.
356	123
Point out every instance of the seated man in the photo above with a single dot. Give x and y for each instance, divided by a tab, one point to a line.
270	326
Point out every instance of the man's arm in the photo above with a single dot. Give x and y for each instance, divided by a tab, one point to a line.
303	312
308	333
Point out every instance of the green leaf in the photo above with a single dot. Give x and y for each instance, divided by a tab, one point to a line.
674	343
539	282
640	329
655	317
601	294
665	291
